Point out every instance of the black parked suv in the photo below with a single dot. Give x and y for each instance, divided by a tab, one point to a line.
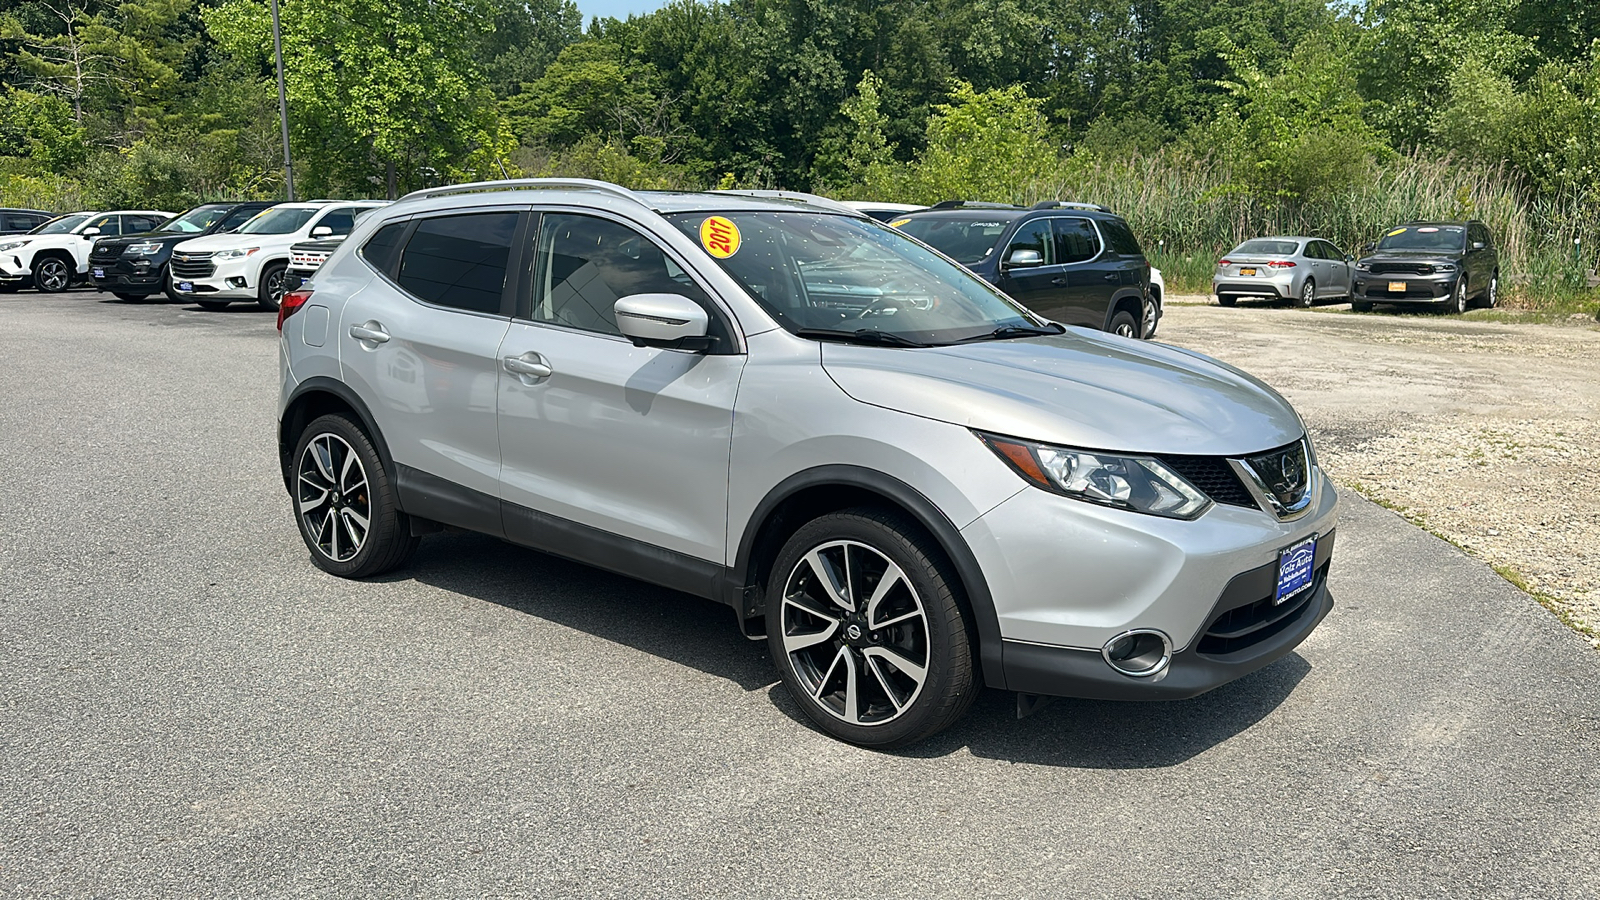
1076	263
1453	265
22	221
134	266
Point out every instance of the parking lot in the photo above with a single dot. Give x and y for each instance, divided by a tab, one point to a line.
189	707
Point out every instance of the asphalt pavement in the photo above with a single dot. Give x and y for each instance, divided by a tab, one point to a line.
189	708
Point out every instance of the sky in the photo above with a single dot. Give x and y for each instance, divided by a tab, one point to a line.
616	8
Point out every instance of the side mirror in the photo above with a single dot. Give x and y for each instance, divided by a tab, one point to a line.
1024	258
321	231
89	233
1349	258
669	321
1370	247
1477	245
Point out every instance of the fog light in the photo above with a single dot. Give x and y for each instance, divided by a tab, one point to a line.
1141	653
236	283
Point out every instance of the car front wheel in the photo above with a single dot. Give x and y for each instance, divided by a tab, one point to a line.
865	625
51	275
1458	299
270	293
344	502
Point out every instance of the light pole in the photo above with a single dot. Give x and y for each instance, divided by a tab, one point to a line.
283	100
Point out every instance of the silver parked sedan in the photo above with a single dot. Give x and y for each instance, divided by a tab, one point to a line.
1300	269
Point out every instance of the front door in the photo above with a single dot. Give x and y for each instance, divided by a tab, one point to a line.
611	449
1041	287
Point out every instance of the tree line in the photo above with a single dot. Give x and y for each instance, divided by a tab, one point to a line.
1207	119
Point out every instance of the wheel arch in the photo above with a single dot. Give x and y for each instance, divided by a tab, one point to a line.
320	396
1129	302
817	491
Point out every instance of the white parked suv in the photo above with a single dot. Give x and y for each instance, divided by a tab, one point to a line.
248	264
56	254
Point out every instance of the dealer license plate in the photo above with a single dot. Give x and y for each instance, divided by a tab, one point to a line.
1296	569
99	273
1397	287
1247	271
185	285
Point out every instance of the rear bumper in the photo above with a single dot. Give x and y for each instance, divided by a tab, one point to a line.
1206	664
1254	287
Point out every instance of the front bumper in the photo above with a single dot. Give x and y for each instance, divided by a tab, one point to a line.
1068	576
137	275
12	271
231	279
1417	288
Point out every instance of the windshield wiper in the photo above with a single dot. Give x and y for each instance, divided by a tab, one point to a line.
1011	331
859	336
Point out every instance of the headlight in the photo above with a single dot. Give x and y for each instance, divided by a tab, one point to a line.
235	254
1444	267
1136	483
12	245
149	249
1363	266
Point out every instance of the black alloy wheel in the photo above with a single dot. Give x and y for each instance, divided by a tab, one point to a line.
865	624
51	275
271	290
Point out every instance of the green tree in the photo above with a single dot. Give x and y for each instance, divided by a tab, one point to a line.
990	145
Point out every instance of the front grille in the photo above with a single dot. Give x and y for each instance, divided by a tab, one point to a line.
1214	477
307	259
1245	626
1402	269
105	254
192	265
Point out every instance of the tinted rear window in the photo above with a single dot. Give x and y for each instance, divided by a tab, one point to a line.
459	261
380	248
1268	248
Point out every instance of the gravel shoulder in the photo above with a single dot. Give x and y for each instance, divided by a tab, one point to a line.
1487	434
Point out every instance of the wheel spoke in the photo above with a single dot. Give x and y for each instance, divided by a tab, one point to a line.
904	617
852	700
906	667
875	665
307	506
322	455
827	675
345	520
891	577
357	519
344	471
793	643
333	535
824	575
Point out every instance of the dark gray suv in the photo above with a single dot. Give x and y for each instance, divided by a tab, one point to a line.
1452	265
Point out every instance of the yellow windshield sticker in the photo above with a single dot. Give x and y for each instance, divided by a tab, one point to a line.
720	237
1395	232
898	222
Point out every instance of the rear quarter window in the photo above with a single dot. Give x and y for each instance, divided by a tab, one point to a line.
380	249
1120	237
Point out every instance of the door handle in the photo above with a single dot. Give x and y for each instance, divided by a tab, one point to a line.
370	332
529	364
1059	281
1113	276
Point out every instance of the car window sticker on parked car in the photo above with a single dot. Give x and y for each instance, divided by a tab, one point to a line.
719	236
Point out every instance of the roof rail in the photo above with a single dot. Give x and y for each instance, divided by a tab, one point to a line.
800	196
526	184
971	204
1070	204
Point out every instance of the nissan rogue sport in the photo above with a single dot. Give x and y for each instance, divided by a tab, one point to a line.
904	482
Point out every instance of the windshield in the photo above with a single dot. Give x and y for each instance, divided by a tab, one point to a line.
62	224
194	221
841	274
1266	248
278	220
1424	237
965	240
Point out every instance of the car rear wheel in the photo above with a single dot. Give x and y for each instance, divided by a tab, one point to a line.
865	624
51	275
344	502
270	292
1308	294
1226	299
1123	324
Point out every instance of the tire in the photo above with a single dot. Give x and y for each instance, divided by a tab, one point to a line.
51	275
269	293
1360	306
128	298
169	290
1152	318
338	481
1123	324
1226	299
212	305
811	614
1458	297
1308	294
1491	298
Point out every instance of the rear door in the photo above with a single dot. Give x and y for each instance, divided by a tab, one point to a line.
611	449
418	343
1093	274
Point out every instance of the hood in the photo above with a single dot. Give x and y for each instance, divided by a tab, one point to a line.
1081	389
211	243
1413	255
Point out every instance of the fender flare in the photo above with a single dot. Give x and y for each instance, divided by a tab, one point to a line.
322	384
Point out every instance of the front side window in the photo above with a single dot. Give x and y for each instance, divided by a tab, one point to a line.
1034	236
278	220
236	218
340	220
459	261
108	225
63	224
1076	240
845	275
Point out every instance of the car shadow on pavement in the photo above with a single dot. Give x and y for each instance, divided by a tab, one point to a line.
687	630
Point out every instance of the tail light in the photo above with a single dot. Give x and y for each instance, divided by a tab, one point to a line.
1224	262
1281	264
290	304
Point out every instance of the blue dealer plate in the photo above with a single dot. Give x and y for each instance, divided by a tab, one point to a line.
1297	567
99	273
185	285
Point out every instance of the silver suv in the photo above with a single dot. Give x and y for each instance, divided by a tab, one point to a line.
906	483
